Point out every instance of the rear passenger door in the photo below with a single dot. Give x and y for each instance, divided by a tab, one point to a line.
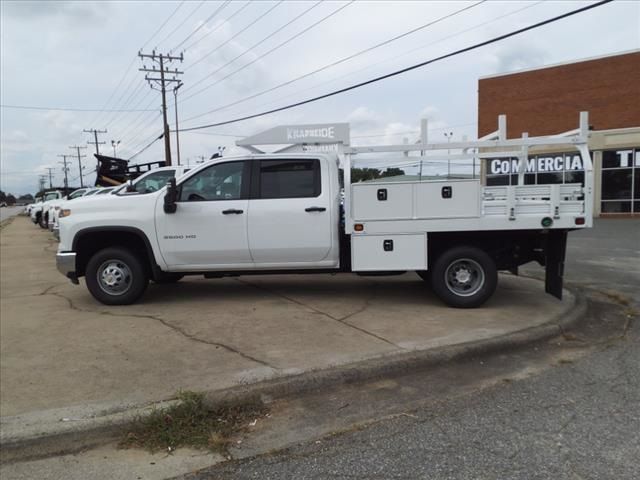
289	213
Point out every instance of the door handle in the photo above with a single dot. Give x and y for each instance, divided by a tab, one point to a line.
232	211
315	209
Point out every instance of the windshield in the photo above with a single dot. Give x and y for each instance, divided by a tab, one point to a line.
154	181
50	196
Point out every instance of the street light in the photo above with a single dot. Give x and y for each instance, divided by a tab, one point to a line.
115	144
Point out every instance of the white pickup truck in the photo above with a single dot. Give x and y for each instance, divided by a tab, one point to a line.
39	209
285	213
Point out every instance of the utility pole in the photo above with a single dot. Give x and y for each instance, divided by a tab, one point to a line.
175	98
50	176
65	169
95	138
80	167
161	84
42	180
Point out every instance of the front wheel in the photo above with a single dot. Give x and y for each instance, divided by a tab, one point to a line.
464	277
116	276
42	221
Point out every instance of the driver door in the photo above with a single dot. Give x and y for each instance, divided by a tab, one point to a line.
208	231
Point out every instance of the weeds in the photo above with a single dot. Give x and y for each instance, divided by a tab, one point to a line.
190	423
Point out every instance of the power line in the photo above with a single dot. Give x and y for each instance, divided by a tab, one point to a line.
238	33
216	11
67	109
338	62
146	147
268	52
349	74
182	23
260	42
163	24
408	69
219	25
132	62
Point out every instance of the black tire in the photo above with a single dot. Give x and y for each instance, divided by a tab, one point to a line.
42	221
464	277
163	278
121	268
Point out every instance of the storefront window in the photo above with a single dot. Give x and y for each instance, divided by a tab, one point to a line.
616	207
620	181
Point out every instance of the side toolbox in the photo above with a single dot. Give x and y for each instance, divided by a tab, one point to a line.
388	252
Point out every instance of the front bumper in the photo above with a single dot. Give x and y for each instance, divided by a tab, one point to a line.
66	264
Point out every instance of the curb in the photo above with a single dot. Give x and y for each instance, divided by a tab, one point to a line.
69	437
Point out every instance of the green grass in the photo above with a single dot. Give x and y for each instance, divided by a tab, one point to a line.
190	423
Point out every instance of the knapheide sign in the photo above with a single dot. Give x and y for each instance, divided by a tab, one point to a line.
300	134
540	164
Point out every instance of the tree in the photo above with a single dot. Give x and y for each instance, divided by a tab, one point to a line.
392	172
26	198
11	200
3	196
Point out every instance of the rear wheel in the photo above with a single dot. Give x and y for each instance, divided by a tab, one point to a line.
464	277
116	276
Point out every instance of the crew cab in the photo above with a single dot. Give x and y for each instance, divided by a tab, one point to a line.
285	213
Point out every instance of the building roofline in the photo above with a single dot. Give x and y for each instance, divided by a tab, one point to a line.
532	69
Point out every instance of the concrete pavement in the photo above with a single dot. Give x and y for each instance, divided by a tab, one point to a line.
65	356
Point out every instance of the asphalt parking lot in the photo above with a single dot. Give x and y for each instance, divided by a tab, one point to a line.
60	349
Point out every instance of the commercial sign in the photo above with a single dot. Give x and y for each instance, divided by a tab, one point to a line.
541	164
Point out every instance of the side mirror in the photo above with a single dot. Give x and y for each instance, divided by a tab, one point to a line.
170	197
130	187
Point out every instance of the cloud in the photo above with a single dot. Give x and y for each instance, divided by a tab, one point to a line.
520	56
66	10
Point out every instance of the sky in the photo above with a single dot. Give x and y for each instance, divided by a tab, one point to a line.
76	61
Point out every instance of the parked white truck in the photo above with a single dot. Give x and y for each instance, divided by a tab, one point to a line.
284	213
39	209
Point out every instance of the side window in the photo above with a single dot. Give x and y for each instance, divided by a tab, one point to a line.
154	181
223	181
289	178
76	194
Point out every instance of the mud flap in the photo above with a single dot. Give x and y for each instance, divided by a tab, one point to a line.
554	262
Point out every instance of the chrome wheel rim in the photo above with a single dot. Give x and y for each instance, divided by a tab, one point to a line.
114	277
464	277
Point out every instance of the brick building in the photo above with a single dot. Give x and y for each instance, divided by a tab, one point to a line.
548	100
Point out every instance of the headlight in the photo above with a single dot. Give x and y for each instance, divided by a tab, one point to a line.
65	212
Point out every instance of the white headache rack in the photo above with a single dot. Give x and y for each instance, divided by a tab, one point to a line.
451	202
